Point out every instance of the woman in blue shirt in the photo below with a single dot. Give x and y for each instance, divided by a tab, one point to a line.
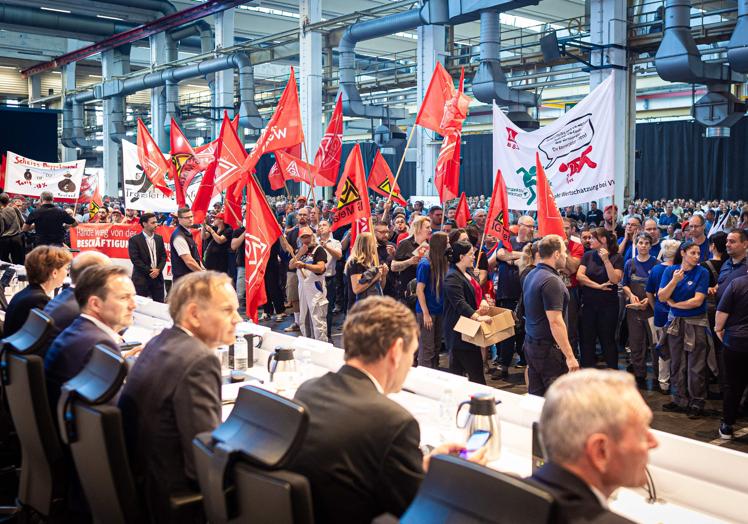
430	293
684	288
639	309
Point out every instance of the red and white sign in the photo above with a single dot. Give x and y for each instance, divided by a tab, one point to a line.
27	177
113	239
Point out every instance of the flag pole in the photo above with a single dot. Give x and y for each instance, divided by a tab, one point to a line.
402	161
480	249
309	174
376	253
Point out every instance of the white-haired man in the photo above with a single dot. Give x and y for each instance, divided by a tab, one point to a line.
595	427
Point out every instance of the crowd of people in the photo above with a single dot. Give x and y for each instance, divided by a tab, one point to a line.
681	303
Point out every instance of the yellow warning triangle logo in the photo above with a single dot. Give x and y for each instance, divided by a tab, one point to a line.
349	195
385	186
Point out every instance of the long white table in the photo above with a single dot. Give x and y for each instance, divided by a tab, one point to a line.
695	482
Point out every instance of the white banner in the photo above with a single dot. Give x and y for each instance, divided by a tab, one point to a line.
577	152
140	193
27	177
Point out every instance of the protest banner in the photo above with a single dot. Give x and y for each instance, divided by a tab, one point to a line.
112	240
577	152
27	177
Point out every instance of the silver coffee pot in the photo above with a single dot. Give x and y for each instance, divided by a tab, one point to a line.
281	360
483	417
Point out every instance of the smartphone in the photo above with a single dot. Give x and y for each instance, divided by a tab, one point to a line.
476	441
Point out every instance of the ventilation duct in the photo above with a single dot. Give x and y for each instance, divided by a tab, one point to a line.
490	84
432	12
249	114
737	48
678	60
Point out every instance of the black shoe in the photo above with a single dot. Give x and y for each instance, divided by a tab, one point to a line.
500	373
725	431
695	412
673	408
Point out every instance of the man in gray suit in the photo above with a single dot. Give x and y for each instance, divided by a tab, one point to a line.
173	391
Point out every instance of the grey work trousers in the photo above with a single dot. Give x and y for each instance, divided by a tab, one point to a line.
639	340
688	369
430	341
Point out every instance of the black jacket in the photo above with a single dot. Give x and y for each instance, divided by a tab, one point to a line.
140	257
459	301
576	503
63	310
361	452
30	297
172	393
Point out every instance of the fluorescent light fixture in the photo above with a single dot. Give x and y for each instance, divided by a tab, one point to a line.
8	67
105	17
54	10
94	76
196	86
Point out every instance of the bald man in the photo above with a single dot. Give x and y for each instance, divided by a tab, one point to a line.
63	309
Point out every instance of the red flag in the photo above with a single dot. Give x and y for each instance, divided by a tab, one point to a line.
284	129
455	109
549	218
184	163
330	149
294	169
152	160
462	217
381	180
2	173
352	195
275	176
447	175
438	94
261	232
230	156
497	221
204	195
232	206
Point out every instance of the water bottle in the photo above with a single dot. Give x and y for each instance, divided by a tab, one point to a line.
446	408
240	353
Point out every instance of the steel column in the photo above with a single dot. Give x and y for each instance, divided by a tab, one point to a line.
224	80
430	50
310	75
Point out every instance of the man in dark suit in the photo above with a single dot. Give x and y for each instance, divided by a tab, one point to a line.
173	391
361	452
595	427
148	256
106	298
64	309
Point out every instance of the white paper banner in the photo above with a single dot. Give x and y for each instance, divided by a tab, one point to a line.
27	177
577	152
140	193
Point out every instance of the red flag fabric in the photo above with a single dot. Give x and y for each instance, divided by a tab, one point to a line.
230	156
549	217
381	180
152	160
462	217
352	195
497	221
294	169
2	173
260	233
275	176
447	174
184	163
455	109
284	129
232	206
438	94
330	149
204	195
96	202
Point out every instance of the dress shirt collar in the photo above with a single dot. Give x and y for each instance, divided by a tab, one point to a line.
599	495
106	329
149	237
185	330
374	380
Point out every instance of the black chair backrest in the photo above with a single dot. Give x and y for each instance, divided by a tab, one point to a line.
456	490
239	464
42	481
93	431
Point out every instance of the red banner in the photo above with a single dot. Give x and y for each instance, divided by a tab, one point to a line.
112	240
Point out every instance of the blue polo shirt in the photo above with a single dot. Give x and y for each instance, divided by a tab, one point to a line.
667	220
544	290
661	309
433	302
729	272
636	267
694	281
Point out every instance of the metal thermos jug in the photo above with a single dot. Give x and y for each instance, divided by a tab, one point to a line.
281	361
483	417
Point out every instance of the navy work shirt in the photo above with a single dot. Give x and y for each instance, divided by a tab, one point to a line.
544	290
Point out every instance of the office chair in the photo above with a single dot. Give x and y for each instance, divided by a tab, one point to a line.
92	429
42	482
239	465
457	491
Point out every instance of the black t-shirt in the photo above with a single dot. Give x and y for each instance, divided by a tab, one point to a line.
508	286
734	302
404	252
595	271
595	217
318	255
240	250
216	255
544	290
49	222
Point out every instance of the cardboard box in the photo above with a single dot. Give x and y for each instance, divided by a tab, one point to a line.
483	334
